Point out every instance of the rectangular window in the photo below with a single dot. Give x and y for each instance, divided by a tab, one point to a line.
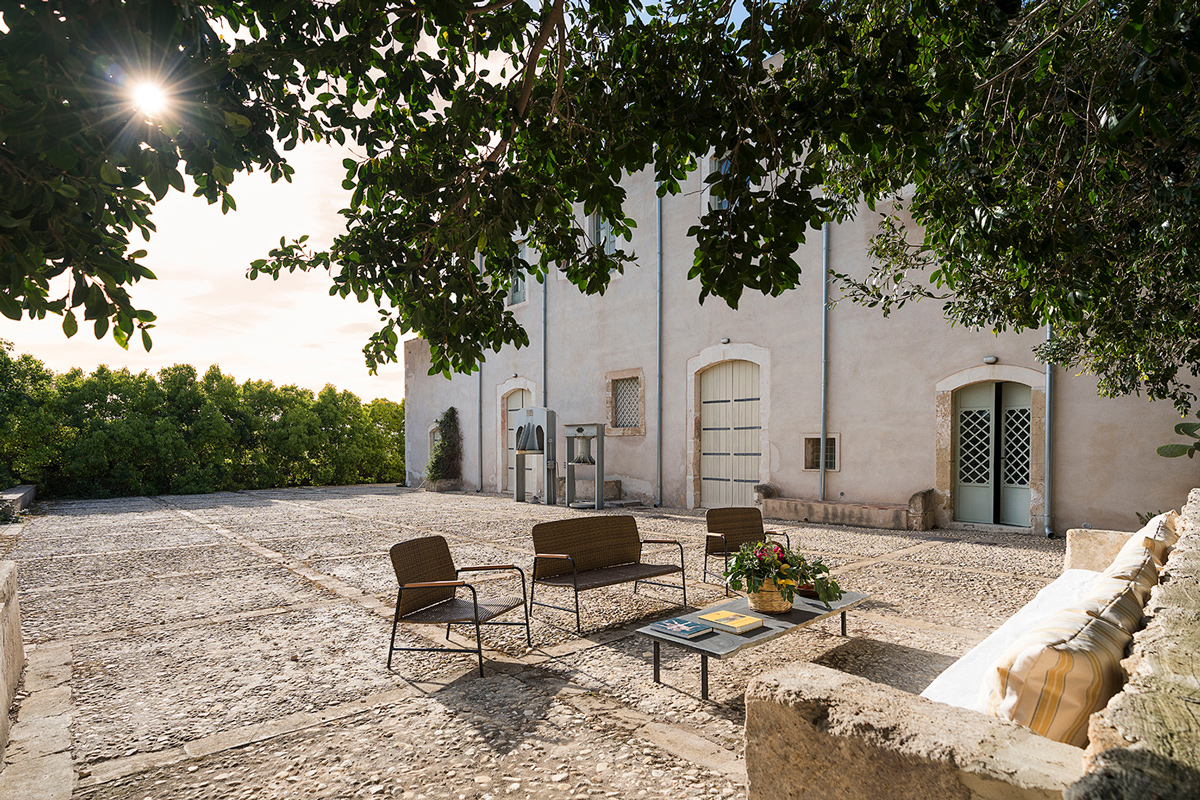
602	234
721	166
627	395
812	452
517	291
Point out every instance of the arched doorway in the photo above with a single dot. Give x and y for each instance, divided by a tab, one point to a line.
993	451
730	440
514	401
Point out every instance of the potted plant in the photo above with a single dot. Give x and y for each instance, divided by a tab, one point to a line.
772	576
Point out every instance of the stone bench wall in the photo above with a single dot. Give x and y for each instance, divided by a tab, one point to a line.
815	732
1146	742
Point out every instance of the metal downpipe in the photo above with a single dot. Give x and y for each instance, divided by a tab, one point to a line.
658	370
1048	482
824	360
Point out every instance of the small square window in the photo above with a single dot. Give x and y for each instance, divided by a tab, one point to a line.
627	393
812	452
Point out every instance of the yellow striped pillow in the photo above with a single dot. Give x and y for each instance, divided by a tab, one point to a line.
1122	602
1057	675
1137	561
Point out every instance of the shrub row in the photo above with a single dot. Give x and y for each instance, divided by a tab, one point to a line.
113	433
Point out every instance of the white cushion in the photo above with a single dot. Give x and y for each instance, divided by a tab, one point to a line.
961	683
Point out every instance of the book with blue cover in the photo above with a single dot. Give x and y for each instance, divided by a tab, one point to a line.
683	628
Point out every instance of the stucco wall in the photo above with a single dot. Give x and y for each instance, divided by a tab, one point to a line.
883	378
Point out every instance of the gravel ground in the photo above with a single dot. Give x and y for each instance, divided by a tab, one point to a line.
191	618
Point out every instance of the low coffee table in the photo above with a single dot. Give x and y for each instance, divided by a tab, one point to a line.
720	644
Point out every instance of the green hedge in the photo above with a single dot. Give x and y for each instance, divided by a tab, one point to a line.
113	433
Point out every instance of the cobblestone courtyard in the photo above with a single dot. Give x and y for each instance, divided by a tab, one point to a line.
234	646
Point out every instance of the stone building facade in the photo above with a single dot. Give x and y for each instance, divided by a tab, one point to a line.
702	402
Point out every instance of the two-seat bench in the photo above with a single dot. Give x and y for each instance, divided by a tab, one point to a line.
591	552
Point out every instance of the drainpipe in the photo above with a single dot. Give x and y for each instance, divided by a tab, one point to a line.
824	358
1048	483
545	388
658	370
479	416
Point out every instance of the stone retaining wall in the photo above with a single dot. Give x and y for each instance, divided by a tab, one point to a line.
12	654
18	498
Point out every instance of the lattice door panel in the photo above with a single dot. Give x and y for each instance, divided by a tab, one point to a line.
975	447
1016	429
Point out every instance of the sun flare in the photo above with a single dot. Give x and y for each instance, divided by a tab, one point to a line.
149	98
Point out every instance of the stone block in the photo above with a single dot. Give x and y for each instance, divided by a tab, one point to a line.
586	489
815	732
1093	549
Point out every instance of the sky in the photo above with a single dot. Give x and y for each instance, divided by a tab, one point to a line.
288	331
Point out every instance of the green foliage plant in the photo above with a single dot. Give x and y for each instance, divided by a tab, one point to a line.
445	459
756	563
1177	449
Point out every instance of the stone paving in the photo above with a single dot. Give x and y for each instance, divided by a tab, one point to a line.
234	646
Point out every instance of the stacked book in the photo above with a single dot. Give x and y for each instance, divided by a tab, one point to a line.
731	621
683	628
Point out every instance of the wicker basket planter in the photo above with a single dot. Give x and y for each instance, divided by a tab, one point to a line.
768	600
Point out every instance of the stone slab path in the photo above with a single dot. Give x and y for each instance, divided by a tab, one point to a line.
234	645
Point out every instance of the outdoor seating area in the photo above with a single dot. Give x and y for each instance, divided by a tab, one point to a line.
233	645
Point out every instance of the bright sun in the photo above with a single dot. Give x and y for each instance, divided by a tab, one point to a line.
149	98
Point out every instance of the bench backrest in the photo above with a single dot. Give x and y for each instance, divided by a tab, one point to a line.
594	543
740	524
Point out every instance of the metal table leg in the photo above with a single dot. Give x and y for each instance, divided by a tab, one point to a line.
843	623
656	662
703	676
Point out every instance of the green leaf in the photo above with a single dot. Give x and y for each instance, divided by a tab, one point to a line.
70	325
1174	450
10	307
110	174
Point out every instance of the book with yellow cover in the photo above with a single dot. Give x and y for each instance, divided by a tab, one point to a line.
732	622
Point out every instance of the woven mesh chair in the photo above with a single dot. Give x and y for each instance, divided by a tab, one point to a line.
429	583
728	530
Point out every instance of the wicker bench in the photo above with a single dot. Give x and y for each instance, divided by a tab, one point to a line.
592	552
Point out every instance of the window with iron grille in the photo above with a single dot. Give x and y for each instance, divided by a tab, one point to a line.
627	395
812	452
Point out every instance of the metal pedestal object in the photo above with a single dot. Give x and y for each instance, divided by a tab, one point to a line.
535	437
584	433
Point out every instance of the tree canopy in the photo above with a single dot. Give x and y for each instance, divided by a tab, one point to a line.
1047	151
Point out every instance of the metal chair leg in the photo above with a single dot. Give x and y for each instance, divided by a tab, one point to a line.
395	624
478	642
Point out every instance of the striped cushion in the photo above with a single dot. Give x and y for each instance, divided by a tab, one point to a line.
1058	674
1120	602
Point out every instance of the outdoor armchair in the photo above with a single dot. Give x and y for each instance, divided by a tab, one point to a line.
427	595
729	529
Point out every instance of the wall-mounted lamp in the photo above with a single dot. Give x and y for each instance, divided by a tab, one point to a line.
990	359
725	340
